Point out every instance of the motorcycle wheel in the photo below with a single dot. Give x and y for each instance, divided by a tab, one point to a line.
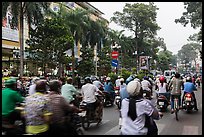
85	123
79	131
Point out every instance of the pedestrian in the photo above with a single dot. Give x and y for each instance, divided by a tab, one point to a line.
137	113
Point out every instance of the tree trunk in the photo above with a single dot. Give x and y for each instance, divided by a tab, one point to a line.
21	41
73	59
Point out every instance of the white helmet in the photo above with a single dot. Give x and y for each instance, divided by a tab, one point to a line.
35	79
133	88
122	79
108	78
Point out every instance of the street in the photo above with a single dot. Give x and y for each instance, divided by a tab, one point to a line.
188	124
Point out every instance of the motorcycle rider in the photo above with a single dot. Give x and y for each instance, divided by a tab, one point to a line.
175	85
89	92
32	87
117	81
189	87
98	84
162	87
69	91
123	89
9	99
134	110
109	88
146	85
60	110
37	110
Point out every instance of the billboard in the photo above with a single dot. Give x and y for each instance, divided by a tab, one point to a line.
143	62
9	32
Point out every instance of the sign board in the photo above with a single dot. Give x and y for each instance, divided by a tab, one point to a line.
114	54
114	63
144	64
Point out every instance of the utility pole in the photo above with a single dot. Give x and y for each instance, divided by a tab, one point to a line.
21	41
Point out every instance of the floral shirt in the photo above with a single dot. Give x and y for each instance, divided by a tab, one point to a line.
36	107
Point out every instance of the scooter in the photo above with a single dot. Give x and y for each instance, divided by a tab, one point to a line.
107	100
188	103
13	129
89	116
162	102
117	98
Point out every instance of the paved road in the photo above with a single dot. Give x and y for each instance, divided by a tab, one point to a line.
188	124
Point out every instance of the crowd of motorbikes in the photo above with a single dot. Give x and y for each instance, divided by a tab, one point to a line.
84	119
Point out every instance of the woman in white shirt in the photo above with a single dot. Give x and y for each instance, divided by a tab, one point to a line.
134	110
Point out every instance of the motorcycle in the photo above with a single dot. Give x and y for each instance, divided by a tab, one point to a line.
107	100
89	116
117	97
162	102
188	103
147	94
18	128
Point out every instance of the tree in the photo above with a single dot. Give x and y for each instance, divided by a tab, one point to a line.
164	59
140	19
86	66
77	20
49	41
192	15
32	11
189	53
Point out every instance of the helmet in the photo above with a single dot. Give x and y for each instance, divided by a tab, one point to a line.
35	79
189	79
145	77
161	78
122	79
133	88
10	81
41	85
119	76
55	85
87	80
108	78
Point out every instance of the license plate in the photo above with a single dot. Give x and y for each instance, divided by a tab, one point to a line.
82	114
161	103
188	99
117	97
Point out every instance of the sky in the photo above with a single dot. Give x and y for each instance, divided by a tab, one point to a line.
175	35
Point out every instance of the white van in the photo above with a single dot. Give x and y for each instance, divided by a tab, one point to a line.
168	74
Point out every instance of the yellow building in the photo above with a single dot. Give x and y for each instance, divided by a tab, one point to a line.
10	37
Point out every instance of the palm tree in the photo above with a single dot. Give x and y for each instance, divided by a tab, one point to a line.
32	11
77	20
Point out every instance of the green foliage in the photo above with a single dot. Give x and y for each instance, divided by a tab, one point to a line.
125	73
189	52
86	66
192	15
104	61
50	39
34	11
164	59
134	70
113	77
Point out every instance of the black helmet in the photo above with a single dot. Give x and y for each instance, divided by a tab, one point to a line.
87	80
55	85
41	85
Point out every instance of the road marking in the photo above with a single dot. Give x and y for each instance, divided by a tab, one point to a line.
114	131
190	130
160	127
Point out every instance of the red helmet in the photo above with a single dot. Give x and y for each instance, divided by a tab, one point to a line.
161	78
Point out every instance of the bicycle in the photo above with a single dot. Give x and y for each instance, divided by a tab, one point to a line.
176	106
